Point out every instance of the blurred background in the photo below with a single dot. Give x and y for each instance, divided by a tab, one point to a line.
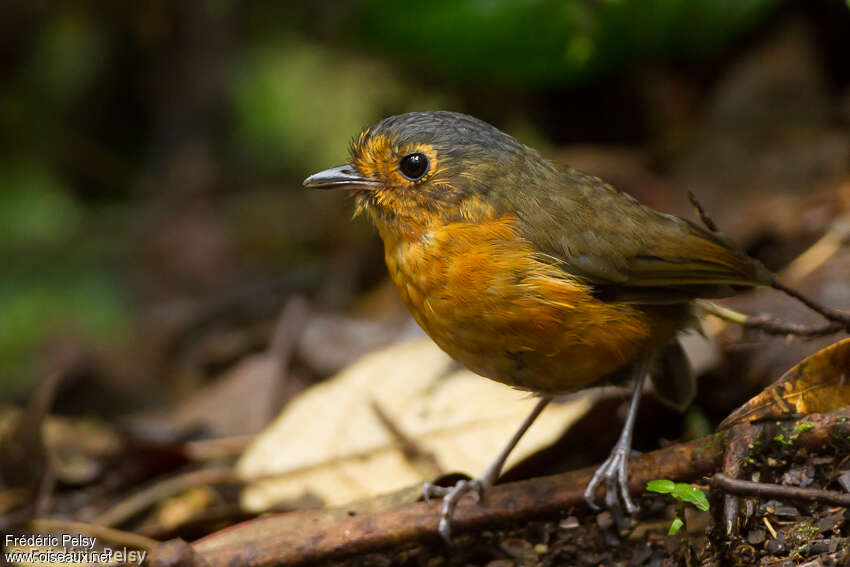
153	228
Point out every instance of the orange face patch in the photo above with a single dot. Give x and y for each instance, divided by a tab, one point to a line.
377	157
404	206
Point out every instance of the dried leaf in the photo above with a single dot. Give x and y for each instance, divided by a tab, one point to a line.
24	459
183	508
395	418
255	381
818	384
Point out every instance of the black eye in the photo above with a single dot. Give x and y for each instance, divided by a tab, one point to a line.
414	166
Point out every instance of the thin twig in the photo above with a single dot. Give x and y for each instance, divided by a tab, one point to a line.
827	312
220	448
774	326
703	216
840	321
769	526
683	534
818	253
147	497
769	325
764	490
102	533
420	459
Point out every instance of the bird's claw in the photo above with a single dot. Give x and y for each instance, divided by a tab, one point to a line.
451	496
615	472
431	490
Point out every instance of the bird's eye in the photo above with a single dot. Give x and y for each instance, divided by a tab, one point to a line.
414	166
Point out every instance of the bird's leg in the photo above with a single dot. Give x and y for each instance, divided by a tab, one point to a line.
615	470
452	495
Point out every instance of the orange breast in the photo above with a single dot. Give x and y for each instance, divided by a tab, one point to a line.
484	297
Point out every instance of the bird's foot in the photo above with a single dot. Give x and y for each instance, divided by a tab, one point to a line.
615	473
451	495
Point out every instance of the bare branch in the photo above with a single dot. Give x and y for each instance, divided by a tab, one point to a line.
313	536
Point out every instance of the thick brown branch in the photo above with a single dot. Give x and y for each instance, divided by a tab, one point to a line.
325	535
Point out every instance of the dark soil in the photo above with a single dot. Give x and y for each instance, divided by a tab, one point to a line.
771	532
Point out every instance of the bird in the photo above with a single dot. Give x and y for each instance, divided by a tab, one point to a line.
533	274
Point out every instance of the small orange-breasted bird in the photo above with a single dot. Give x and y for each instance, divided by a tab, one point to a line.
540	277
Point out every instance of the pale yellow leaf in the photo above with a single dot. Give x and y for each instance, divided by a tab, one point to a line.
332	444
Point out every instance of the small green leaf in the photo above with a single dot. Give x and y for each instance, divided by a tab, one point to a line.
677	521
661	486
692	495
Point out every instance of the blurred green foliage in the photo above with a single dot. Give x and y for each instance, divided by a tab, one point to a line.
295	102
84	124
35	208
53	283
548	41
65	58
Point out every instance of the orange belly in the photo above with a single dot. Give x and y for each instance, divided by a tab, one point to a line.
484	297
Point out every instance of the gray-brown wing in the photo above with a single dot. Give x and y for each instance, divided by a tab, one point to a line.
630	252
